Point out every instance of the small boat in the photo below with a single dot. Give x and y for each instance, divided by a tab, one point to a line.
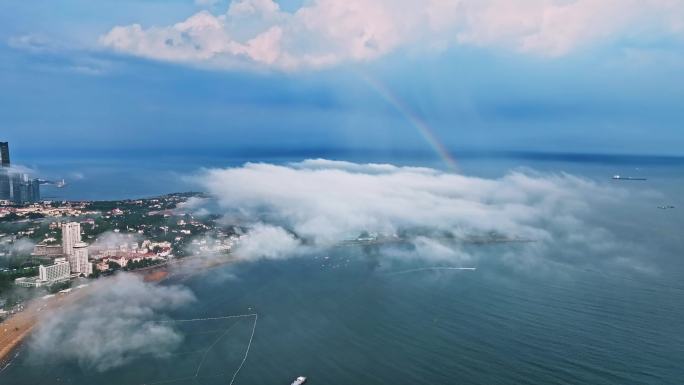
299	381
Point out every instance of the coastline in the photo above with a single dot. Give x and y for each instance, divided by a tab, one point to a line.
19	326
8	346
16	328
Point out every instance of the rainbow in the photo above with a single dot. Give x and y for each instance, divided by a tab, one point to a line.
425	130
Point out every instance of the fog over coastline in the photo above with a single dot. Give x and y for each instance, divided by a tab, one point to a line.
325	202
113	325
432	218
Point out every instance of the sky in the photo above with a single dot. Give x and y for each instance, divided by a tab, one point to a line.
184	76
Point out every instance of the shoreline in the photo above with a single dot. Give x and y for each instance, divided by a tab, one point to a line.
15	329
11	346
19	326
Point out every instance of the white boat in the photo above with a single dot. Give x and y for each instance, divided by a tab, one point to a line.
620	177
299	381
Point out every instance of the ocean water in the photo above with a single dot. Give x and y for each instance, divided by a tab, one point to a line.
136	174
354	315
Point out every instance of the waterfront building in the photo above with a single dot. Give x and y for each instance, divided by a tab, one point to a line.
78	261
49	250
58	271
29	282
71	235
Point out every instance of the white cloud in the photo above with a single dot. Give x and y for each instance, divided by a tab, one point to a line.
431	249
197	206
325	202
327	32
113	325
78	60
20	169
34	43
555	27
425	250
252	7
110	239
22	246
268	242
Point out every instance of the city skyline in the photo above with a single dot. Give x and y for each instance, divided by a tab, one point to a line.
16	185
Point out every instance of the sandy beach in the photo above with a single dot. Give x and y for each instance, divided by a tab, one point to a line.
13	331
19	326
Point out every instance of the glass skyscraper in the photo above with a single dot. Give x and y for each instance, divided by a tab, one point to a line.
4	154
5	186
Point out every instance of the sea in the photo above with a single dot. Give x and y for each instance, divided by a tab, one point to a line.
348	316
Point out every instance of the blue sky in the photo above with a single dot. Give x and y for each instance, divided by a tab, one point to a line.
547	75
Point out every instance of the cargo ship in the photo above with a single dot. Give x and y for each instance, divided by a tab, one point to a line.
620	177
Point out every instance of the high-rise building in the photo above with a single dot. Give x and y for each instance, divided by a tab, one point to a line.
34	190
14	186
79	260
20	187
71	235
4	154
5	186
58	271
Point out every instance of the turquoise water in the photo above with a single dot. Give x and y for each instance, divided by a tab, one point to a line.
355	315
